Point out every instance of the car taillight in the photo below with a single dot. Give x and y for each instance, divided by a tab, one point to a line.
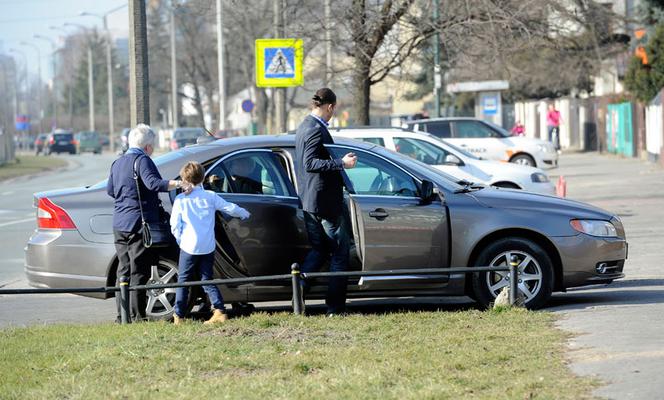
74	142
50	216
174	144
51	141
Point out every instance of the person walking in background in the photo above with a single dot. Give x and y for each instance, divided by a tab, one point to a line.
518	129
134	259
192	224
320	184
553	120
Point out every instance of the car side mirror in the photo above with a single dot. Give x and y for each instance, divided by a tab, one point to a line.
427	192
451	159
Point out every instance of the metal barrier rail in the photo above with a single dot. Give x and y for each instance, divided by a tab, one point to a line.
296	276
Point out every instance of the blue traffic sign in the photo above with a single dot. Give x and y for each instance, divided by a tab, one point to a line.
279	62
247	106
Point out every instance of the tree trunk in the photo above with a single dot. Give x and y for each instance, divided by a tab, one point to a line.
361	91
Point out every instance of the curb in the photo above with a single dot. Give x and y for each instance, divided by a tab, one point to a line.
71	164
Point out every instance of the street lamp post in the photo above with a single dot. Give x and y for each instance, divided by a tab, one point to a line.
109	70
25	65
55	72
220	62
39	91
174	72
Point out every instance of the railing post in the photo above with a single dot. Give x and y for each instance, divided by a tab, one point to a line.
298	299
124	300
514	279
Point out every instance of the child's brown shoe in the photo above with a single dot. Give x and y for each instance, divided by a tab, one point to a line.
218	317
177	320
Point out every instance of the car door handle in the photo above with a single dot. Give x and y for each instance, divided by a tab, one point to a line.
378	213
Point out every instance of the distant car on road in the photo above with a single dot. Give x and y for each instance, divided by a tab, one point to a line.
489	141
124	140
403	214
61	141
186	136
88	141
40	143
455	161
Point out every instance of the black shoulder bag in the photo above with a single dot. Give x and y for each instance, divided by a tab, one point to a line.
155	234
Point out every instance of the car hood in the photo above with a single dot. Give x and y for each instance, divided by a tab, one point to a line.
520	200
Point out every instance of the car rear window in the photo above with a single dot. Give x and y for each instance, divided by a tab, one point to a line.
89	135
62	136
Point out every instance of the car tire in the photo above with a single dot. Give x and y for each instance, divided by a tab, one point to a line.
536	276
523	159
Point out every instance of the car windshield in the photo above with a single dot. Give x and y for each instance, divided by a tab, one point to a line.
162	159
455	148
499	128
187	133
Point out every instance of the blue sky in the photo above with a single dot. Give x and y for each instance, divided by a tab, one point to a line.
20	20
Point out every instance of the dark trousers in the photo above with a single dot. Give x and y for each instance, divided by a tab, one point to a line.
134	264
330	239
554	136
190	265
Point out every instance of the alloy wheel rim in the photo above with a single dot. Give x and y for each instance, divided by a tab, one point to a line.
529	274
161	301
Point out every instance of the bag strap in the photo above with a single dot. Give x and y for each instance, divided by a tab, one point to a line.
138	189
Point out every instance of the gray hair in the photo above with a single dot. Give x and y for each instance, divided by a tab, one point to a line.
141	136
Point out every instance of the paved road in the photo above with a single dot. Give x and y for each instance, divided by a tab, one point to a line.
617	327
17	222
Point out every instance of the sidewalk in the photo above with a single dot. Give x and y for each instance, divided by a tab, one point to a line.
618	328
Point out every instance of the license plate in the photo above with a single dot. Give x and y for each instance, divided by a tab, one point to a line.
63	143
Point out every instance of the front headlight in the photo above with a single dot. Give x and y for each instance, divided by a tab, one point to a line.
539	177
594	227
546	148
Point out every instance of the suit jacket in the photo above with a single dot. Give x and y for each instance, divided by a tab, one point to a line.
319	176
122	188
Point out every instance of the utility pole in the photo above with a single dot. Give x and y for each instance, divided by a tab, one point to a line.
91	90
279	93
220	62
328	43
174	71
109	71
39	91
25	67
437	75
139	77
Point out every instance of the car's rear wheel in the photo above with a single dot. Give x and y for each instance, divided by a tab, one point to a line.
523	159
535	271
161	302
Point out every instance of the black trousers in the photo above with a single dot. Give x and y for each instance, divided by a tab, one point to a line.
134	264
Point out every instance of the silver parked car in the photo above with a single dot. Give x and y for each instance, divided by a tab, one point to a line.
404	214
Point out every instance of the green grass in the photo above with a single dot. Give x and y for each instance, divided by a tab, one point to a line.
511	354
27	165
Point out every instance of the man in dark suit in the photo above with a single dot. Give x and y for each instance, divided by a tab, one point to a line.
320	185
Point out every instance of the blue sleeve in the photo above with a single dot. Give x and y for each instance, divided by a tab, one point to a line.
109	184
313	146
150	175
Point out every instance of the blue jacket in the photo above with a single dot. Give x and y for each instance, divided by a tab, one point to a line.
122	187
319	176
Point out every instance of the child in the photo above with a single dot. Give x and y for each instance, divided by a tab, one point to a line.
192	224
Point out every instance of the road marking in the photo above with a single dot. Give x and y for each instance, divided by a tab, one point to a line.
20	221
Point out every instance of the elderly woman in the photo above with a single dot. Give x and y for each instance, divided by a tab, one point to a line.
134	259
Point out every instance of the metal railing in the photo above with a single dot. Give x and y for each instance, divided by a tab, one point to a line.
296	277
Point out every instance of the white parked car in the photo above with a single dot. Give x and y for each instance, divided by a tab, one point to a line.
453	160
489	141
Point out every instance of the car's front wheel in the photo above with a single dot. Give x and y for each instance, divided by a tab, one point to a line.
523	159
535	272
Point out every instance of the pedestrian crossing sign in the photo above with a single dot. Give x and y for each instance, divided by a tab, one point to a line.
279	62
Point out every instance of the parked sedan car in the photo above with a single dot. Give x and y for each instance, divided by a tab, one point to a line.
61	141
489	141
40	143
455	161
186	136
404	214
88	141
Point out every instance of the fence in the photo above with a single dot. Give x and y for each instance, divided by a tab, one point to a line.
296	277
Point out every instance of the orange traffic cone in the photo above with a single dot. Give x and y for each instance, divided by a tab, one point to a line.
561	187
